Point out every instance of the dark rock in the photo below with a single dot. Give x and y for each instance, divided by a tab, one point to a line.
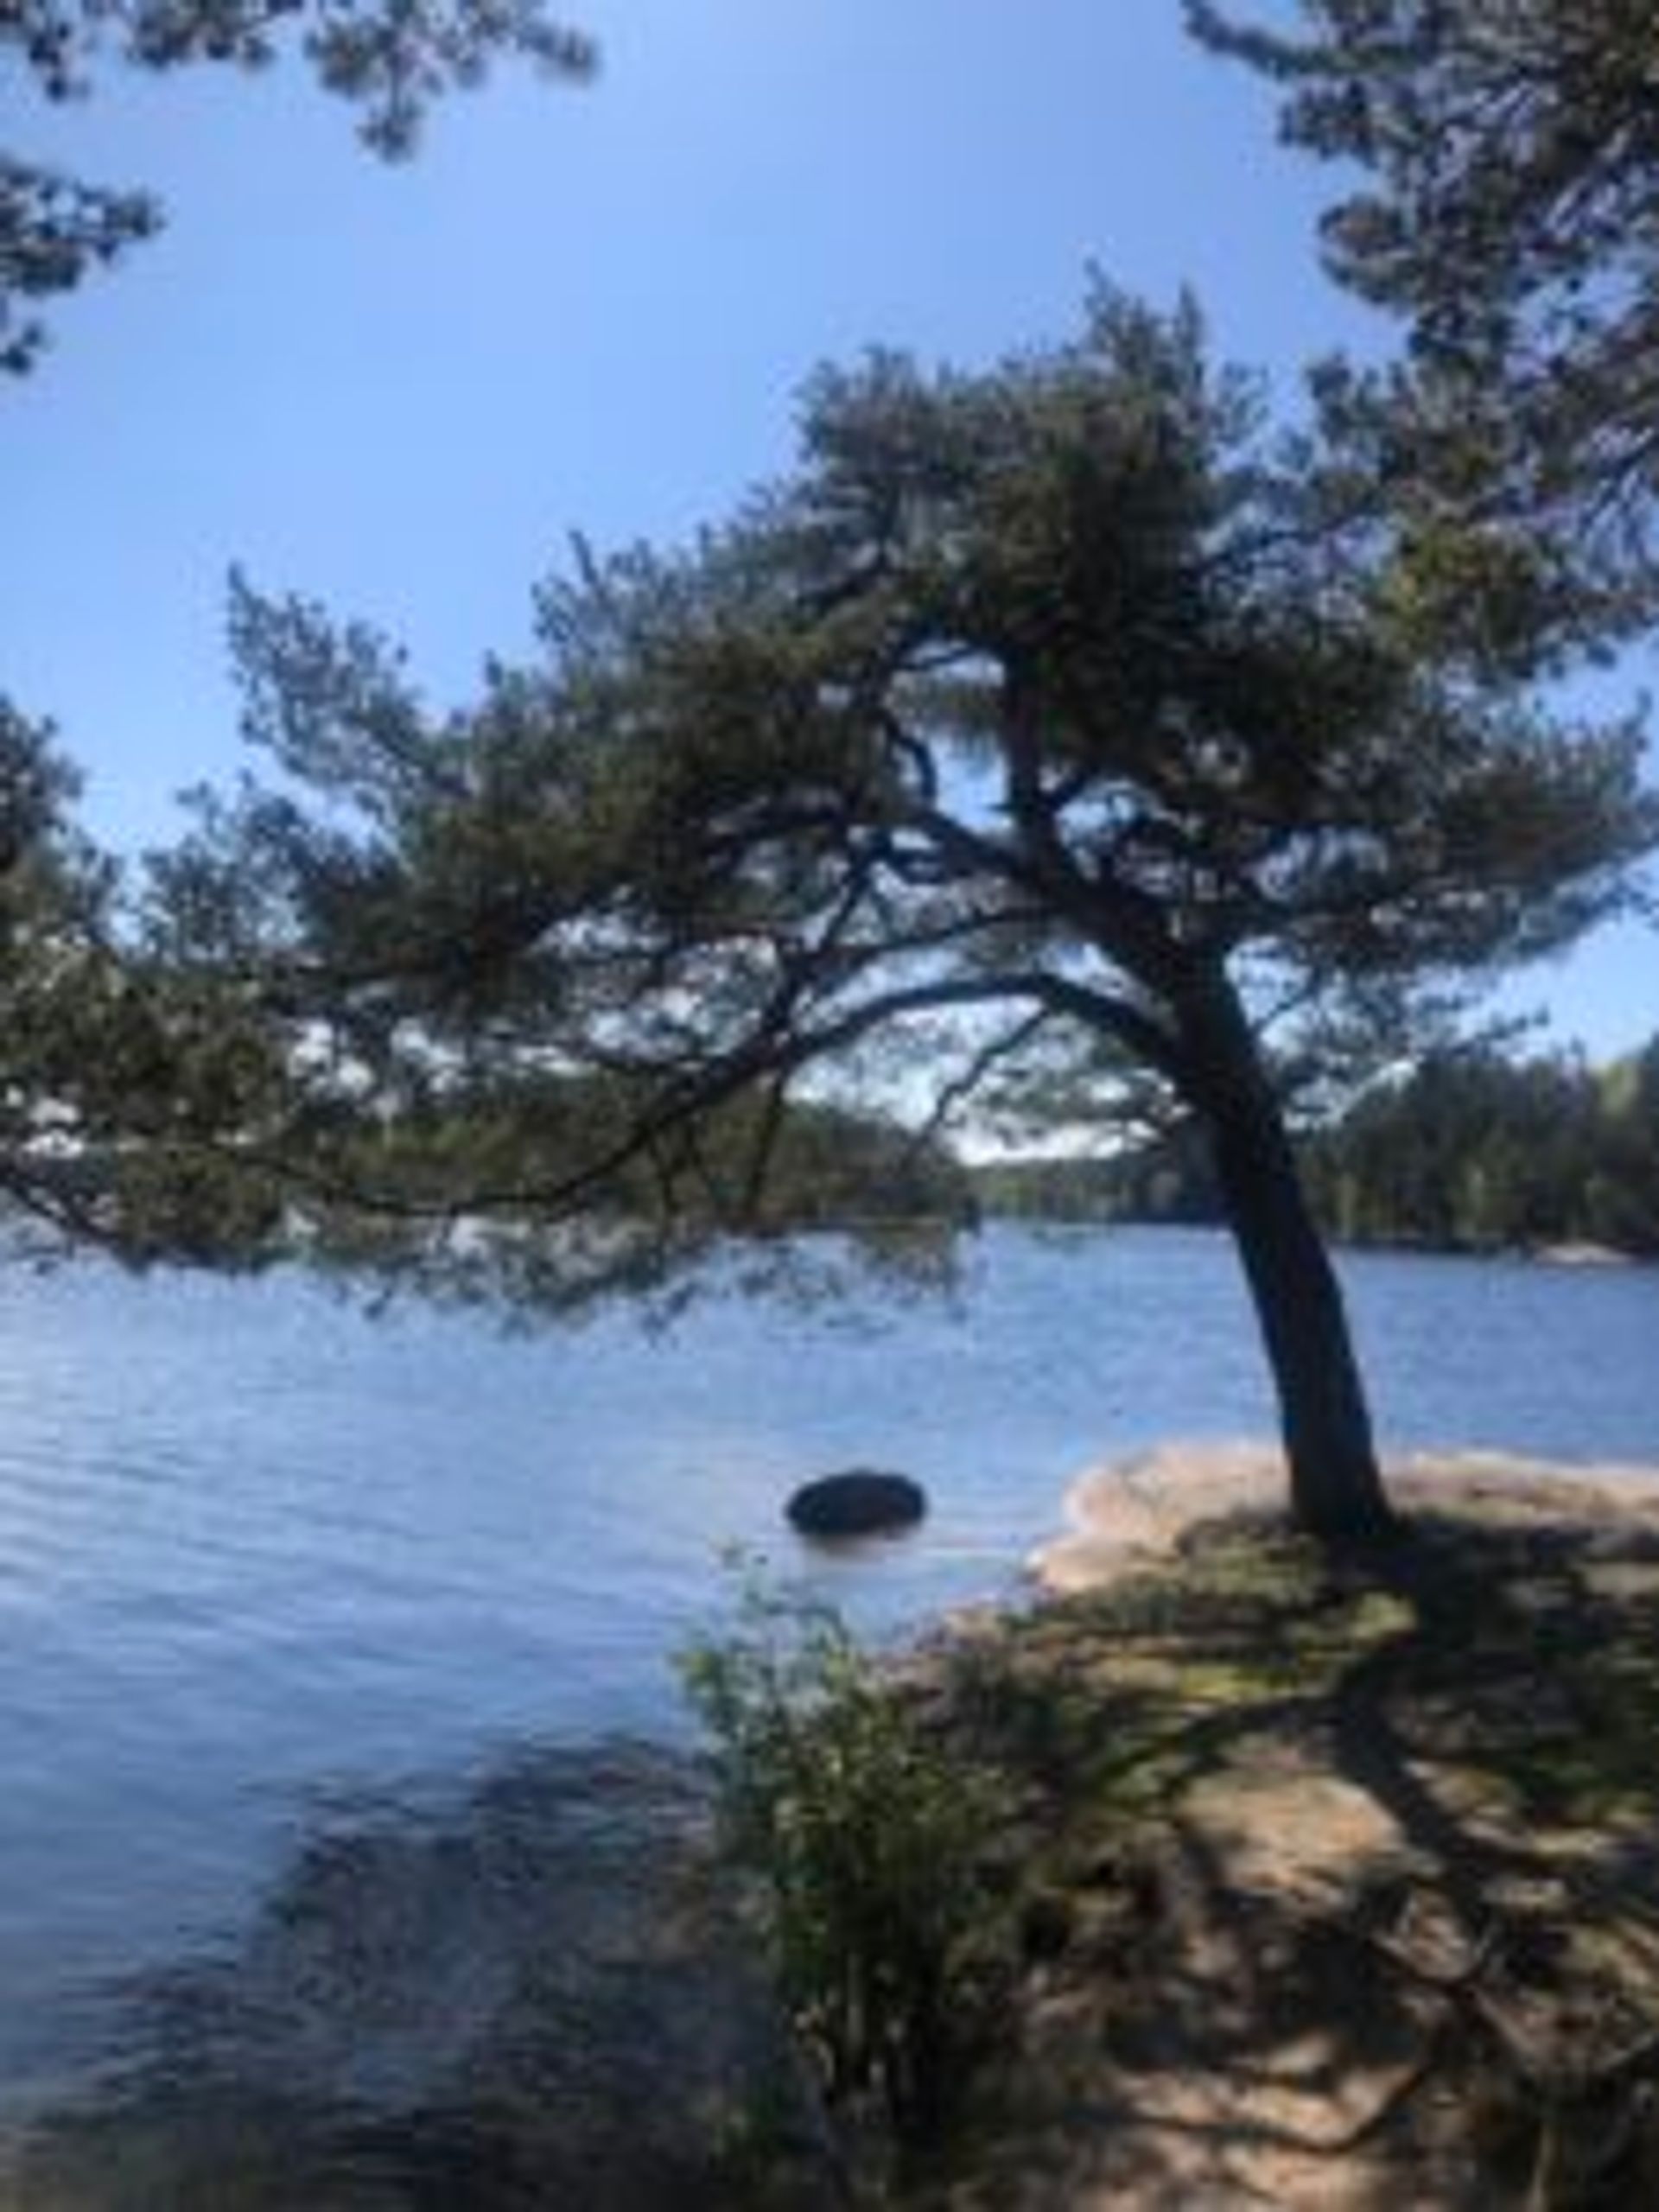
860	1502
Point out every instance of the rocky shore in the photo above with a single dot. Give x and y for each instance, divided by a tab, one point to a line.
1348	1872
1132	1511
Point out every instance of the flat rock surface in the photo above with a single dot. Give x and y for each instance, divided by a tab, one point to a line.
1130	1511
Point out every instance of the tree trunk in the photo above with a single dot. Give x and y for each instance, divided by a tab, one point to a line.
1336	1489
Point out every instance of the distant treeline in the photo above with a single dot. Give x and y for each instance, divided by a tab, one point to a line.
1170	1180
1480	1153
1473	1151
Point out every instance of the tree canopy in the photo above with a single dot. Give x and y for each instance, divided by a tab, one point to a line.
389	58
116	1084
1033	727
1500	191
1470	1148
1473	1150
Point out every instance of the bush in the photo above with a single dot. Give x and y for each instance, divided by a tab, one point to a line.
866	1839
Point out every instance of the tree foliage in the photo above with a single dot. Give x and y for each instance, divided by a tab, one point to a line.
1507	205
1480	1153
1470	1150
118	1087
390	59
868	1836
1028	696
1033	728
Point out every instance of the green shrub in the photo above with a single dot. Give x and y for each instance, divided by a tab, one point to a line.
866	1837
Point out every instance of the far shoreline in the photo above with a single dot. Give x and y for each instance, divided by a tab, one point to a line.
1574	1254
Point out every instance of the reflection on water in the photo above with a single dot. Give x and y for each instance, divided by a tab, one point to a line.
537	1998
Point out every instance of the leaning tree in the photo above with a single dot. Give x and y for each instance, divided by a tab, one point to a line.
1042	729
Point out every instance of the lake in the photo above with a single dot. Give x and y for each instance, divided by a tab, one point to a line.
272	1570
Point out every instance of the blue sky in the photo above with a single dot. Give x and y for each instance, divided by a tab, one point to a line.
401	390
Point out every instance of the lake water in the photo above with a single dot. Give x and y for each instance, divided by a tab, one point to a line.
269	1567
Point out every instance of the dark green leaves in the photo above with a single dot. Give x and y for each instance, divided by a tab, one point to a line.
1505	207
1036	709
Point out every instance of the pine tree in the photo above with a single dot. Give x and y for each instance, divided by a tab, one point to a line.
1037	729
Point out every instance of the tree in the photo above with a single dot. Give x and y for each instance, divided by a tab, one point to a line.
1508	207
127	1098
117	1083
1034	730
1478	1150
391	58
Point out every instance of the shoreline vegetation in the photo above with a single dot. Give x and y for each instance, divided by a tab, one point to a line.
1474	1152
1317	1880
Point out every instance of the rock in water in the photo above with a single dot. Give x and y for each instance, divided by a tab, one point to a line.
860	1502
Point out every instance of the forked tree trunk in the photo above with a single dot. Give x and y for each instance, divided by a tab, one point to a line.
1336	1488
